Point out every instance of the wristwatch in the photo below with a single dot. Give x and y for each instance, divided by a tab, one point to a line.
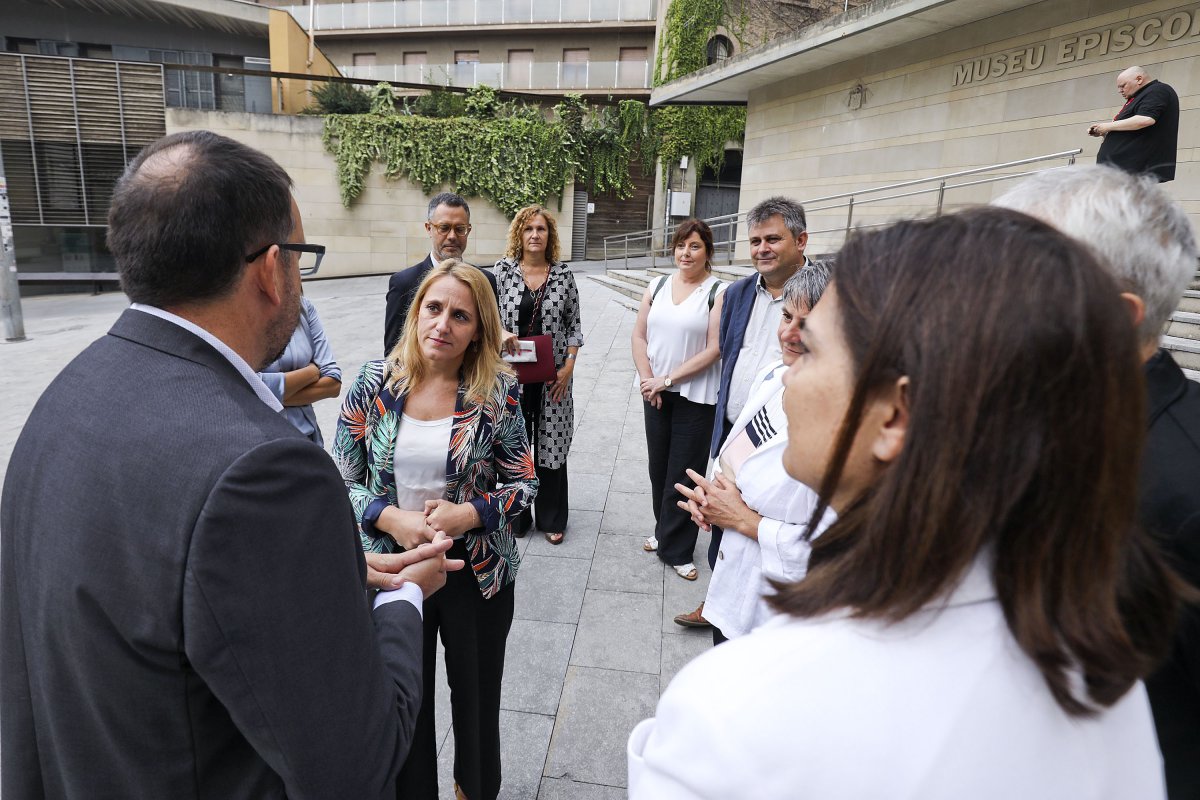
667	382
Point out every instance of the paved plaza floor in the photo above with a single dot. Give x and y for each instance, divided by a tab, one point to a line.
593	643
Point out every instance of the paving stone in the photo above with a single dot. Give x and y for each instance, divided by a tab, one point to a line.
535	663
524	740
630	475
595	440
633	444
599	709
588	492
628	514
551	589
580	541
680	648
621	565
619	630
566	789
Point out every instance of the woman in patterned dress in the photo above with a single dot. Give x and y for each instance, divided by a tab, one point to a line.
538	295
431	439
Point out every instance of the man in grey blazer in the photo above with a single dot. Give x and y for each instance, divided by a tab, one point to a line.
183	612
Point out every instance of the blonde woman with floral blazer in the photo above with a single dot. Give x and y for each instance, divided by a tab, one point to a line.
431	440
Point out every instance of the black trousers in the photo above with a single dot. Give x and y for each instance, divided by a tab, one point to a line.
550	504
677	439
474	632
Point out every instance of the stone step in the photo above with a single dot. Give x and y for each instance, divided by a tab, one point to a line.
725	273
1191	374
629	295
637	277
1184	324
1190	301
1186	352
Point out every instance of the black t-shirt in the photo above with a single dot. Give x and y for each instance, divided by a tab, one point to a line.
1151	149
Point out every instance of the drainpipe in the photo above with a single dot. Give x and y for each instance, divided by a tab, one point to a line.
312	38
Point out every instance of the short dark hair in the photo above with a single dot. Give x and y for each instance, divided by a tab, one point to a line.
446	199
791	211
1026	421
186	213
697	226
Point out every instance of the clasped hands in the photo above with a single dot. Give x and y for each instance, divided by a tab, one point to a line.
651	389
424	535
718	502
1100	129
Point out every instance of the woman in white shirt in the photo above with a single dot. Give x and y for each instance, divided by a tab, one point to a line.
975	622
676	352
764	511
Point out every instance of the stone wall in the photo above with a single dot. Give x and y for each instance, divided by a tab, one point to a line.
383	230
1014	86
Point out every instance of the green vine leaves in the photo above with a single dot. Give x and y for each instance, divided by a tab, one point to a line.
699	132
510	155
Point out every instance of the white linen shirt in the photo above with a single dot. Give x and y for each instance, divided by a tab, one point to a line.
736	601
943	705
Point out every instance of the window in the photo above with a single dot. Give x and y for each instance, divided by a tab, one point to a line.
520	69
575	68
363	59
416	59
631	68
466	64
719	49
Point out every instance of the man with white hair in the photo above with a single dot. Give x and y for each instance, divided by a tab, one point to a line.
1147	243
1144	135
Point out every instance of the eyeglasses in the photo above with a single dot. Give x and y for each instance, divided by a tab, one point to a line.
443	229
308	256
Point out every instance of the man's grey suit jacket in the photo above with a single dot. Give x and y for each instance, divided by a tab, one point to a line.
182	610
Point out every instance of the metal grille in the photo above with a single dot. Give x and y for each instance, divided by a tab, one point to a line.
69	128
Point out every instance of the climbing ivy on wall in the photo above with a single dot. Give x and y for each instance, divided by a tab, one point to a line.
510	154
699	132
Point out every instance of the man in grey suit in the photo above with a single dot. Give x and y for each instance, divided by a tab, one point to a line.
181	582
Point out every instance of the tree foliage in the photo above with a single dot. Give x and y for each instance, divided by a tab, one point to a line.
699	132
508	153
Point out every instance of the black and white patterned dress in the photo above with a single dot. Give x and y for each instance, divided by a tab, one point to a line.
560	319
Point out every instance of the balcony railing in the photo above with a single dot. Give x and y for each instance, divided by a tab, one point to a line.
514	77
443	13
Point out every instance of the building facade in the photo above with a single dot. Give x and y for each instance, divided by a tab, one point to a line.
899	90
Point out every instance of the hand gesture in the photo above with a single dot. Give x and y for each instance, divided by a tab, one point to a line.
452	519
425	565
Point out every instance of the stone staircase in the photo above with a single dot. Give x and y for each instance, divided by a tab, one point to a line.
630	284
1181	337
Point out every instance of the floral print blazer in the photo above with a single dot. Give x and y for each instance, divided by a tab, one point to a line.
489	465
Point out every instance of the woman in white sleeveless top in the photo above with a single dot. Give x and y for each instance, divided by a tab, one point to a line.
676	352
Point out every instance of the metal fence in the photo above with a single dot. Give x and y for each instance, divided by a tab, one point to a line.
847	208
445	13
558	75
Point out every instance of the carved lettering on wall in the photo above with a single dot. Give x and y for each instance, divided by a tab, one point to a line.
1144	32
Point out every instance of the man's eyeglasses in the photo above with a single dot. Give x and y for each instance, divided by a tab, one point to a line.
443	228
308	256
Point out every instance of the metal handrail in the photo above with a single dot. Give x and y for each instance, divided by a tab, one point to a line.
853	200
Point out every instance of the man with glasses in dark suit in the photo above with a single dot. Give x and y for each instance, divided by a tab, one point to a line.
183	610
448	223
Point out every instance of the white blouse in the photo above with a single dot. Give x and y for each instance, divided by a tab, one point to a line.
675	333
942	705
419	463
735	603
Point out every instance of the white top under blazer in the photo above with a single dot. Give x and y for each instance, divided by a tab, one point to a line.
675	333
